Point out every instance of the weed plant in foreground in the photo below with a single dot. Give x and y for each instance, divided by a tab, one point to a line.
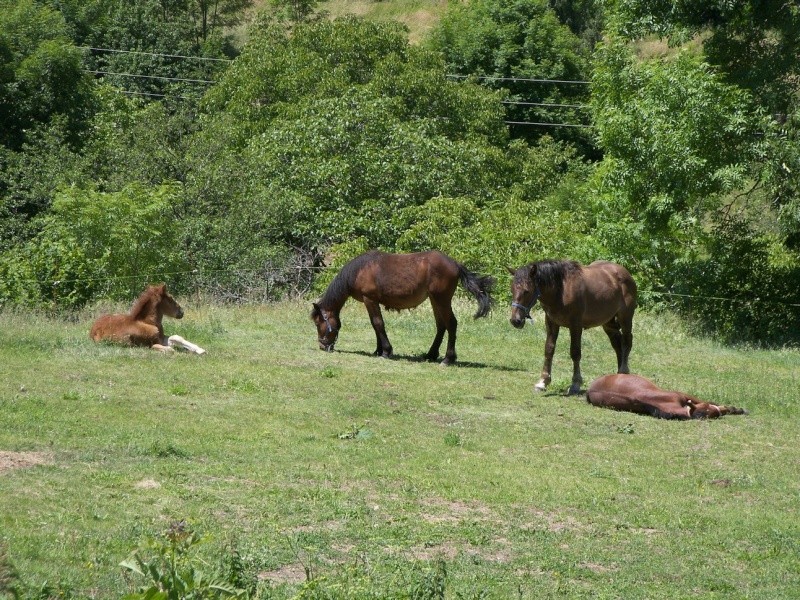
340	475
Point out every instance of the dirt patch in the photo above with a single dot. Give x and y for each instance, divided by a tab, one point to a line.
439	510
23	460
284	574
147	484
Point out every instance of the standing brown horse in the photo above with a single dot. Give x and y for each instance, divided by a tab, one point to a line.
399	281
639	395
577	297
142	325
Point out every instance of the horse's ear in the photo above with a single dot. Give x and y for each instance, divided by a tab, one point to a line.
162	288
512	271
316	310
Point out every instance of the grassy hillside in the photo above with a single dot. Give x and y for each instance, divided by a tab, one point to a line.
307	463
418	15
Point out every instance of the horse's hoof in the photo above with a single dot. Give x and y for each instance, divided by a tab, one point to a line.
539	387
573	390
447	362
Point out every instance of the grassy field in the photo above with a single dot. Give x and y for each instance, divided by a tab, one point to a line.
363	472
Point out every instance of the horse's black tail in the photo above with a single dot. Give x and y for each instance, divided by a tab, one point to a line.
479	286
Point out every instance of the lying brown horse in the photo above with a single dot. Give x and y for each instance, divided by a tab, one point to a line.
142	325
577	297
639	395
399	281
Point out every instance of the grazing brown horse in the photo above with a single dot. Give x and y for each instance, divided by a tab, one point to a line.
399	281
577	297
639	395
142	325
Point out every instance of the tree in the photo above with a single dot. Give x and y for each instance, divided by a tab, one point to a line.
41	75
507	44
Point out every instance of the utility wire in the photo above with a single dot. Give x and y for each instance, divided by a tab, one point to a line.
489	78
547	104
208	58
149	76
548	124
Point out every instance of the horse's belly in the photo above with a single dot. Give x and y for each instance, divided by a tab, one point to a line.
403	302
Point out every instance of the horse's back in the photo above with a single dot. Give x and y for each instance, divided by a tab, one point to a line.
400	281
611	283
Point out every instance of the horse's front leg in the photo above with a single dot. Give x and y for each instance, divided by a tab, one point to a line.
384	347
549	349
176	340
575	334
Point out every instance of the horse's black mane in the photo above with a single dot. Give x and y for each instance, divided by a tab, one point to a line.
339	289
551	273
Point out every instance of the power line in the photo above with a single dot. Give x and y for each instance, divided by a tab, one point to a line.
548	124
547	104
208	58
207	81
132	93
530	80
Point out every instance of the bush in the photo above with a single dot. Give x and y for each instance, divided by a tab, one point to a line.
737	292
95	244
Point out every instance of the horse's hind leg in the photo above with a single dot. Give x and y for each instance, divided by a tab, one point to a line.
384	347
445	321
626	324
614	333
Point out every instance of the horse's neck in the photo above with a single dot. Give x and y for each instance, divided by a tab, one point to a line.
147	310
334	297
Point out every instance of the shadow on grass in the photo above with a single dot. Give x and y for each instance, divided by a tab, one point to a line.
421	358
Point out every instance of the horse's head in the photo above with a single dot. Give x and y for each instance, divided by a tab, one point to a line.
166	303
524	294
701	410
328	326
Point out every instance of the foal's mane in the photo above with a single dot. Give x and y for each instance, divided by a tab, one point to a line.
552	273
339	289
142	302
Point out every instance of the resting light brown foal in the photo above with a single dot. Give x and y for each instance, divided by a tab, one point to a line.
577	297
636	394
142	325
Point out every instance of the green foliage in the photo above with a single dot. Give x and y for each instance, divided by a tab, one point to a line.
519	39
159	33
93	244
314	138
675	134
755	42
677	140
737	292
173	571
40	74
30	177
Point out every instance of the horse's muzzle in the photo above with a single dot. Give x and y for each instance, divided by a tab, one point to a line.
179	314
517	323
326	347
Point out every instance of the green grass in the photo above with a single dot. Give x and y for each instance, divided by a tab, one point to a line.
304	461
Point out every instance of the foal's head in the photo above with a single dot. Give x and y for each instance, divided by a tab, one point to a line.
328	326
164	303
